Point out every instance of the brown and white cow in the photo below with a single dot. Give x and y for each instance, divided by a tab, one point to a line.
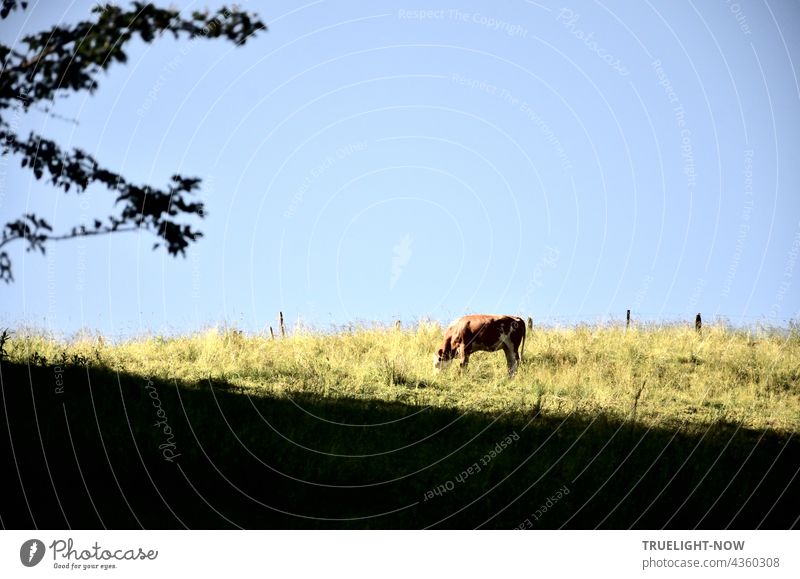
480	332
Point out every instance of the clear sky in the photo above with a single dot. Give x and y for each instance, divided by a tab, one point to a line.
379	160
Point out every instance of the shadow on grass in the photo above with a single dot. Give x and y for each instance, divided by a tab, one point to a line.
90	448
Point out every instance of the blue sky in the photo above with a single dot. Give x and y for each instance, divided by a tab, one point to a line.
372	161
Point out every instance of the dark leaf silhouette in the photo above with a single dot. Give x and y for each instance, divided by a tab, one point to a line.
70	58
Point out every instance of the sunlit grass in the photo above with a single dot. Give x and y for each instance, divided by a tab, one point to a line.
661	376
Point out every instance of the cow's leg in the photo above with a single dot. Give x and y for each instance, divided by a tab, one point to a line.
463	355
511	352
512	359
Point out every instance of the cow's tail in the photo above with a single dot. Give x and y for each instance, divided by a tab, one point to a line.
522	348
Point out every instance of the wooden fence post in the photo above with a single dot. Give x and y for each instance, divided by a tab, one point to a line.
529	323
628	320
698	323
283	328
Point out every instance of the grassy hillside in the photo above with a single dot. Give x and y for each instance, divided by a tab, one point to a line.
651	427
659	376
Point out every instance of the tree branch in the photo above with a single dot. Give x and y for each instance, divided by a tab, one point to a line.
70	59
73	235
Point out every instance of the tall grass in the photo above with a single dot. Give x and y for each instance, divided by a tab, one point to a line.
654	376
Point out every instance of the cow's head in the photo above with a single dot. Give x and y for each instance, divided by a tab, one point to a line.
442	359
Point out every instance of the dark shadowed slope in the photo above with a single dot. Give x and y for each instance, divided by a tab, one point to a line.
89	457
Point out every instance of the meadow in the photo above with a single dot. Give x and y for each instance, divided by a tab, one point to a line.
602	426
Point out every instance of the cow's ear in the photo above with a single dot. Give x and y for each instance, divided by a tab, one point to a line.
440	352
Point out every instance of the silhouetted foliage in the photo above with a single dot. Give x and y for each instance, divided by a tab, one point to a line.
70	58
